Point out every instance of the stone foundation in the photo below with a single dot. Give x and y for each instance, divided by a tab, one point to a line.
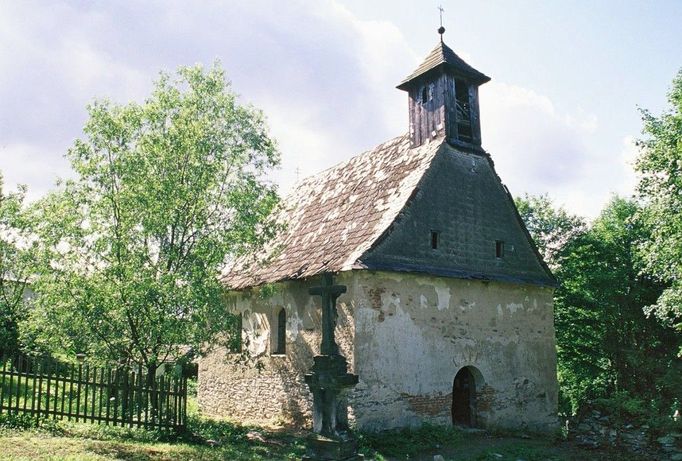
275	393
596	430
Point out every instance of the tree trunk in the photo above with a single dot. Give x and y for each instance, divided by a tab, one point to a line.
152	390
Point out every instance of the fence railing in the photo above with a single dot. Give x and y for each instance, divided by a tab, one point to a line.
107	395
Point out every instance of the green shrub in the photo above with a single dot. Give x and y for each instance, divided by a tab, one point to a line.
22	421
410	441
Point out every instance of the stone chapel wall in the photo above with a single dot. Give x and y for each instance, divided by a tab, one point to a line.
269	388
414	332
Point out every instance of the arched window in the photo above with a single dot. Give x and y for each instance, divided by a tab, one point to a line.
463	114
281	345
425	95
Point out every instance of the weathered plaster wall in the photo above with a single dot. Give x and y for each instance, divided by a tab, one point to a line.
414	332
266	387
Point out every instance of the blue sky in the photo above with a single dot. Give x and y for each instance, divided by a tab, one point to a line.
559	116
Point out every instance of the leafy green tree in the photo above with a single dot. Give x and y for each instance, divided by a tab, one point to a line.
16	247
605	341
660	169
606	344
551	228
165	192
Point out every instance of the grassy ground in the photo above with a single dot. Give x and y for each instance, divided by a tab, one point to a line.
221	440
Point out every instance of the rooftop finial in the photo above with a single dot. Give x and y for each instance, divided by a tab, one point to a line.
441	29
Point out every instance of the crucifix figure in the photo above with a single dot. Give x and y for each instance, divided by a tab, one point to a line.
329	293
328	380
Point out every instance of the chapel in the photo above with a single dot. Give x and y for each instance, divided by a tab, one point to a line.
448	313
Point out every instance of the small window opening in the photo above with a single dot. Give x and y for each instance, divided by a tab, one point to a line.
463	116
499	248
425	95
236	343
434	240
281	332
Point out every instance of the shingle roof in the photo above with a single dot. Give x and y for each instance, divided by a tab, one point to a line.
334	217
443	55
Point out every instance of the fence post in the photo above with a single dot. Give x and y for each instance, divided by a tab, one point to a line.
146	400
17	402
33	389
131	397
91	385
101	391
57	378
184	401
161	399
2	383
85	401
78	392
41	366
154	399
26	386
139	395
175	402
61	406
11	381
108	393
71	390
47	392
117	377
167	390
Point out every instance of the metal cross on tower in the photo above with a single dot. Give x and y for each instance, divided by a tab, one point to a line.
441	29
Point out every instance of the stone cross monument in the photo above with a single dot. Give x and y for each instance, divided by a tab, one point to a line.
328	380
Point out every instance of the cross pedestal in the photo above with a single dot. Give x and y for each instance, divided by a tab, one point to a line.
329	380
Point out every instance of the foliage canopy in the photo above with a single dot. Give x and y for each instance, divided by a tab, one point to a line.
606	344
660	169
165	191
16	246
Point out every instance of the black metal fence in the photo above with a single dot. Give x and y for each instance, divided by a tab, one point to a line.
118	396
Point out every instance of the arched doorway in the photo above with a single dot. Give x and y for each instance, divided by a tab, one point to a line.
464	398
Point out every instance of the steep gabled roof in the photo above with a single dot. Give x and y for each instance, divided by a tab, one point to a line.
443	55
332	218
376	210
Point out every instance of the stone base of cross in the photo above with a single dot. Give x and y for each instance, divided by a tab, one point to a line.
329	380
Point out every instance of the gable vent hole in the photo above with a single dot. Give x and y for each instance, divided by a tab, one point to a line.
434	240
499	248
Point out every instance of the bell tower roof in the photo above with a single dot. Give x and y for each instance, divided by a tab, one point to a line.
442	55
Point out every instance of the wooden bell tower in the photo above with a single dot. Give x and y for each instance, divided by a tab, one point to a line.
443	99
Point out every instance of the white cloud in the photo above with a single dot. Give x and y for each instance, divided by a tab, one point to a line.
325	79
319	73
540	149
25	164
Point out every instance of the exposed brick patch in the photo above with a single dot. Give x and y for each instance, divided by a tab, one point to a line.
485	398
429	405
